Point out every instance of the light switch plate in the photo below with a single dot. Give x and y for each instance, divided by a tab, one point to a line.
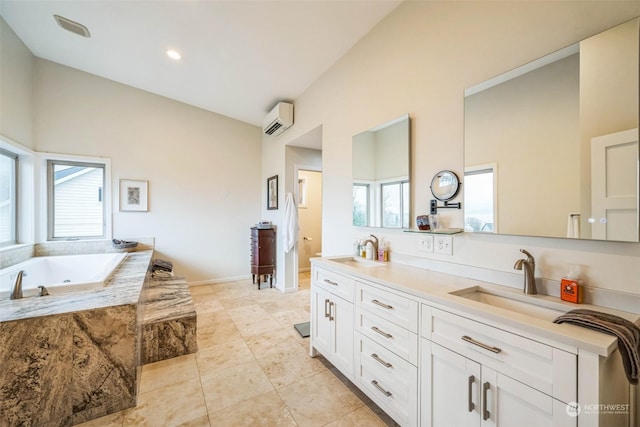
425	243
443	245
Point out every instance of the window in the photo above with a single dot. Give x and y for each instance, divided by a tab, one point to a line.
8	198
360	205
76	203
480	200
395	204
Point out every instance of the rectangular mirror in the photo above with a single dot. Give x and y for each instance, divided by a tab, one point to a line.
551	148
381	175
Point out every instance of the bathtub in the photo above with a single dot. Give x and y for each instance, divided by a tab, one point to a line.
59	274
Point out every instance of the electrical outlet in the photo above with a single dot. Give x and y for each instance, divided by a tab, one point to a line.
443	245
425	243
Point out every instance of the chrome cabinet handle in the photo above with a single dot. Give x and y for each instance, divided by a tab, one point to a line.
376	385
383	333
485	412
331	317
472	405
379	360
330	282
482	345
381	304
326	310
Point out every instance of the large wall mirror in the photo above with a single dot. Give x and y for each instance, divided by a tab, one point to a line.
381	175
551	148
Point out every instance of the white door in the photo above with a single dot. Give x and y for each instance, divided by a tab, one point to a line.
450	388
320	320
512	403
342	328
309	217
614	186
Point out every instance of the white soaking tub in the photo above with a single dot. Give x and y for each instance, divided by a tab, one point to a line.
65	273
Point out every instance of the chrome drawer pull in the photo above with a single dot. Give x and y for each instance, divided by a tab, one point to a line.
381	304
472	405
331	303
382	362
326	310
485	412
330	282
383	333
376	385
479	344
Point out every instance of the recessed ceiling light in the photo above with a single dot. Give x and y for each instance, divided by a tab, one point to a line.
173	54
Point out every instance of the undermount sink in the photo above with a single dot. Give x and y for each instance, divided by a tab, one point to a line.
354	261
538	306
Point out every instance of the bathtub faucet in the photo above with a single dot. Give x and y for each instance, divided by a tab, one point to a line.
16	289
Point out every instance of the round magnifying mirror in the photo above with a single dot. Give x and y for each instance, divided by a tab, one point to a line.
445	185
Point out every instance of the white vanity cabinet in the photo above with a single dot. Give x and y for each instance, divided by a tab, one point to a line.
332	319
387	350
475	374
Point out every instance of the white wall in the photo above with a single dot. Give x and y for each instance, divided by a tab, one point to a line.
419	60
203	169
16	88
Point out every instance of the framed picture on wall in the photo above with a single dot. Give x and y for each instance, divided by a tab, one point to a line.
133	195
272	193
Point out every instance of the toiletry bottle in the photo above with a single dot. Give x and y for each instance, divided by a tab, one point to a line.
369	249
571	286
386	253
380	254
356	247
363	249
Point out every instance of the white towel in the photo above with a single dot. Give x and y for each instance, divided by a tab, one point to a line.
291	226
573	226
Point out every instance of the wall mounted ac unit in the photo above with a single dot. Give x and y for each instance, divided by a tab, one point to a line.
279	119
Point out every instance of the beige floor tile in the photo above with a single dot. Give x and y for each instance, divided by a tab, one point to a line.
169	406
167	372
111	420
208	337
200	290
228	387
233	292
200	422
264	410
318	400
276	345
363	417
282	372
223	356
288	318
248	328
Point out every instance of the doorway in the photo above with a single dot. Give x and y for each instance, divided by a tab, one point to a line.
309	217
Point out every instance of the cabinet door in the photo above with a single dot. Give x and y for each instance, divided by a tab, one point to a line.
342	329
512	403
450	386
320	323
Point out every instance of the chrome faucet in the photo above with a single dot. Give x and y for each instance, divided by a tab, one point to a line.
529	267
374	243
16	289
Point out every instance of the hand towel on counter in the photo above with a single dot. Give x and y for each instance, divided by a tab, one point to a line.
573	226
291	226
161	265
628	335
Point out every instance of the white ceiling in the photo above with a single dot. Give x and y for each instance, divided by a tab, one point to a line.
238	57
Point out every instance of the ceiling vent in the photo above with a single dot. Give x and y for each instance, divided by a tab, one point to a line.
279	119
72	26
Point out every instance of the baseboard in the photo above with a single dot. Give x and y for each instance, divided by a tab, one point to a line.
221	280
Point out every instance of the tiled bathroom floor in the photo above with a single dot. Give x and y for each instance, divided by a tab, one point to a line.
252	368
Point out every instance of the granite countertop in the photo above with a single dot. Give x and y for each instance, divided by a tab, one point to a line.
121	288
435	288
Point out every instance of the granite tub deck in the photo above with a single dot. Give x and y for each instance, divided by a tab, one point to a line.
73	357
168	320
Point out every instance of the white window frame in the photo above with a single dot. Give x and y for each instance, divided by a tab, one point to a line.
14	199
45	230
487	167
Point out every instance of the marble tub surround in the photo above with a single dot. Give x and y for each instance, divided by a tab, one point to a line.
88	246
15	255
169	320
72	357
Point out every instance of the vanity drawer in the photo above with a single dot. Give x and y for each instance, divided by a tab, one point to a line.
541	366
390	306
389	380
335	283
400	341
